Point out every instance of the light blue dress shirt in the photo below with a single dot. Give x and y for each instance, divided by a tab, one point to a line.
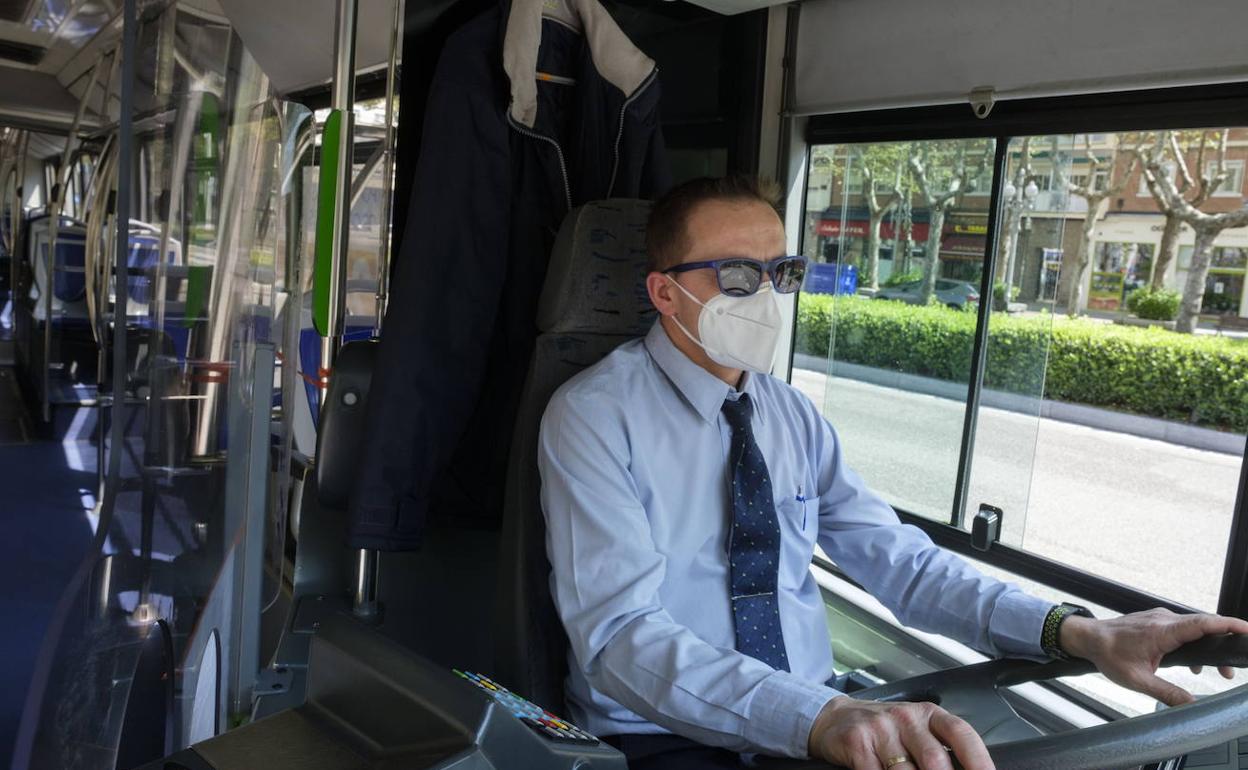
633	456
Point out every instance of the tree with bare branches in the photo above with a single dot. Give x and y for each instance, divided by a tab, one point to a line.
881	197
1194	189
1181	201
1074	267
943	173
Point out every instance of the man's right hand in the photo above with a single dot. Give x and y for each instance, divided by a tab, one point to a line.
867	735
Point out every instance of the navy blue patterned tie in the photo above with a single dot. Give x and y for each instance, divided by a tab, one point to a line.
754	544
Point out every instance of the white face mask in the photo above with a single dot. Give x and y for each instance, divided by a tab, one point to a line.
738	332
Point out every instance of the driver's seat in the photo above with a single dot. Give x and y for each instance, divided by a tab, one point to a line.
593	300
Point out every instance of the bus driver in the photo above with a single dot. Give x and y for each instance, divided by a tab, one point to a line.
684	490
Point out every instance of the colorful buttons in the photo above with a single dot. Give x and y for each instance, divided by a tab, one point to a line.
536	718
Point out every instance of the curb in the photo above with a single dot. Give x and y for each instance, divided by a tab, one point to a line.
1092	417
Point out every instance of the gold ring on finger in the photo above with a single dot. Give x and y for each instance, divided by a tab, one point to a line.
894	761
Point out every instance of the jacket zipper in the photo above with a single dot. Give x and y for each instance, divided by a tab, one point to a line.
563	169
619	134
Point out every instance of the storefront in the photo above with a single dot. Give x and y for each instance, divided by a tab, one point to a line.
1126	245
1224	286
844	239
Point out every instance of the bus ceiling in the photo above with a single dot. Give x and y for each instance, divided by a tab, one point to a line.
46	50
918	53
266	29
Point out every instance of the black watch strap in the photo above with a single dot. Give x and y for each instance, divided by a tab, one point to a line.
1050	633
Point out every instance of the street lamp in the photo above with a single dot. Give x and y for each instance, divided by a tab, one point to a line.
1016	201
1030	191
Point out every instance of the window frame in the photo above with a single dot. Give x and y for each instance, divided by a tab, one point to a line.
1151	109
1100	180
1236	190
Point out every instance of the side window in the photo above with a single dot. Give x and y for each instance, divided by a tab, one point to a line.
1127	475
886	325
1110	418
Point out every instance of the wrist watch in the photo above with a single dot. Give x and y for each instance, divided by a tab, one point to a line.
1050	633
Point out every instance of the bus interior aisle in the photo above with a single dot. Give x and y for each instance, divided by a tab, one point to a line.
46	514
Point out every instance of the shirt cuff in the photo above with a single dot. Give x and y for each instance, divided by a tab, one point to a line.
782	712
1016	623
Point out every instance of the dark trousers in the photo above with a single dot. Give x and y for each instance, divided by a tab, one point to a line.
672	752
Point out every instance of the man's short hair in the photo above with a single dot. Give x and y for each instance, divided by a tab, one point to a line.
666	237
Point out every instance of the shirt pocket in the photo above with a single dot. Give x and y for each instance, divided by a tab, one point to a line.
799	513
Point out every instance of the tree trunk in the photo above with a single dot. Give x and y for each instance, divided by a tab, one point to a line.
898	262
1168	250
931	260
871	265
907	236
1009	244
1066	274
1194	289
1076	303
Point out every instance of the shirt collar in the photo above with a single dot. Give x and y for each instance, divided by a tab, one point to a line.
702	390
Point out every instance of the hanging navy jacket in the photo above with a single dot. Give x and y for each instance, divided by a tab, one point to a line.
504	156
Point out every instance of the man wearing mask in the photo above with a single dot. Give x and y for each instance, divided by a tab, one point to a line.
685	489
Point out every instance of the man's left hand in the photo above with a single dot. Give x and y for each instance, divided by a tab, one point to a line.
1129	649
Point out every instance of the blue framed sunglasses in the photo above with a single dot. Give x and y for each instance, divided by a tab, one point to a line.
741	276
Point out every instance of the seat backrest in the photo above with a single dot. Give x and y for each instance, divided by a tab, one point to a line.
593	300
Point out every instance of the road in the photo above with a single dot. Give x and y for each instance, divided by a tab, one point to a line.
1146	513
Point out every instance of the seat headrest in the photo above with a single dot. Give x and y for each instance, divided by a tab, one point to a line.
596	280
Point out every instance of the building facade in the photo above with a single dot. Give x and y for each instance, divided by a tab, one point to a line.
1042	223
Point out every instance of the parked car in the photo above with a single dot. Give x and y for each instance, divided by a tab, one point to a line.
955	294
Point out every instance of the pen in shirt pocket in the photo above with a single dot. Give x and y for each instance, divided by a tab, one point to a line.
802	500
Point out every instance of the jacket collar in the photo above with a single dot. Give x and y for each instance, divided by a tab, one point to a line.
615	57
702	390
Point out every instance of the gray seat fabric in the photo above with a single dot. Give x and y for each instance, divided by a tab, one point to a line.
593	300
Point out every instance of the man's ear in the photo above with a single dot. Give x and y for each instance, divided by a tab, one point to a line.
660	289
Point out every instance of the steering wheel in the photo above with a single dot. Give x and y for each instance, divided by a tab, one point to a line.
974	693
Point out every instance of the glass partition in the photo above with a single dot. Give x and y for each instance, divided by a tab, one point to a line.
896	234
163	620
1030	242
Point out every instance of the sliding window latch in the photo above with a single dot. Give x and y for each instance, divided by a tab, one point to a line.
986	529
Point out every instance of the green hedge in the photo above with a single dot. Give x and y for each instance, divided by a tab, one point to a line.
1154	304
1151	371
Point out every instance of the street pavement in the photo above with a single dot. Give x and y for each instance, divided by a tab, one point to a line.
1146	513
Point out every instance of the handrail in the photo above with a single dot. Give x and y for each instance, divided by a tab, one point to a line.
184	134
387	173
54	230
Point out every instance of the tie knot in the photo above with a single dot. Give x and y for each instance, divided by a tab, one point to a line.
738	412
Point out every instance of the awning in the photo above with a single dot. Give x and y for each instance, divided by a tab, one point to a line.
857	228
962	247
